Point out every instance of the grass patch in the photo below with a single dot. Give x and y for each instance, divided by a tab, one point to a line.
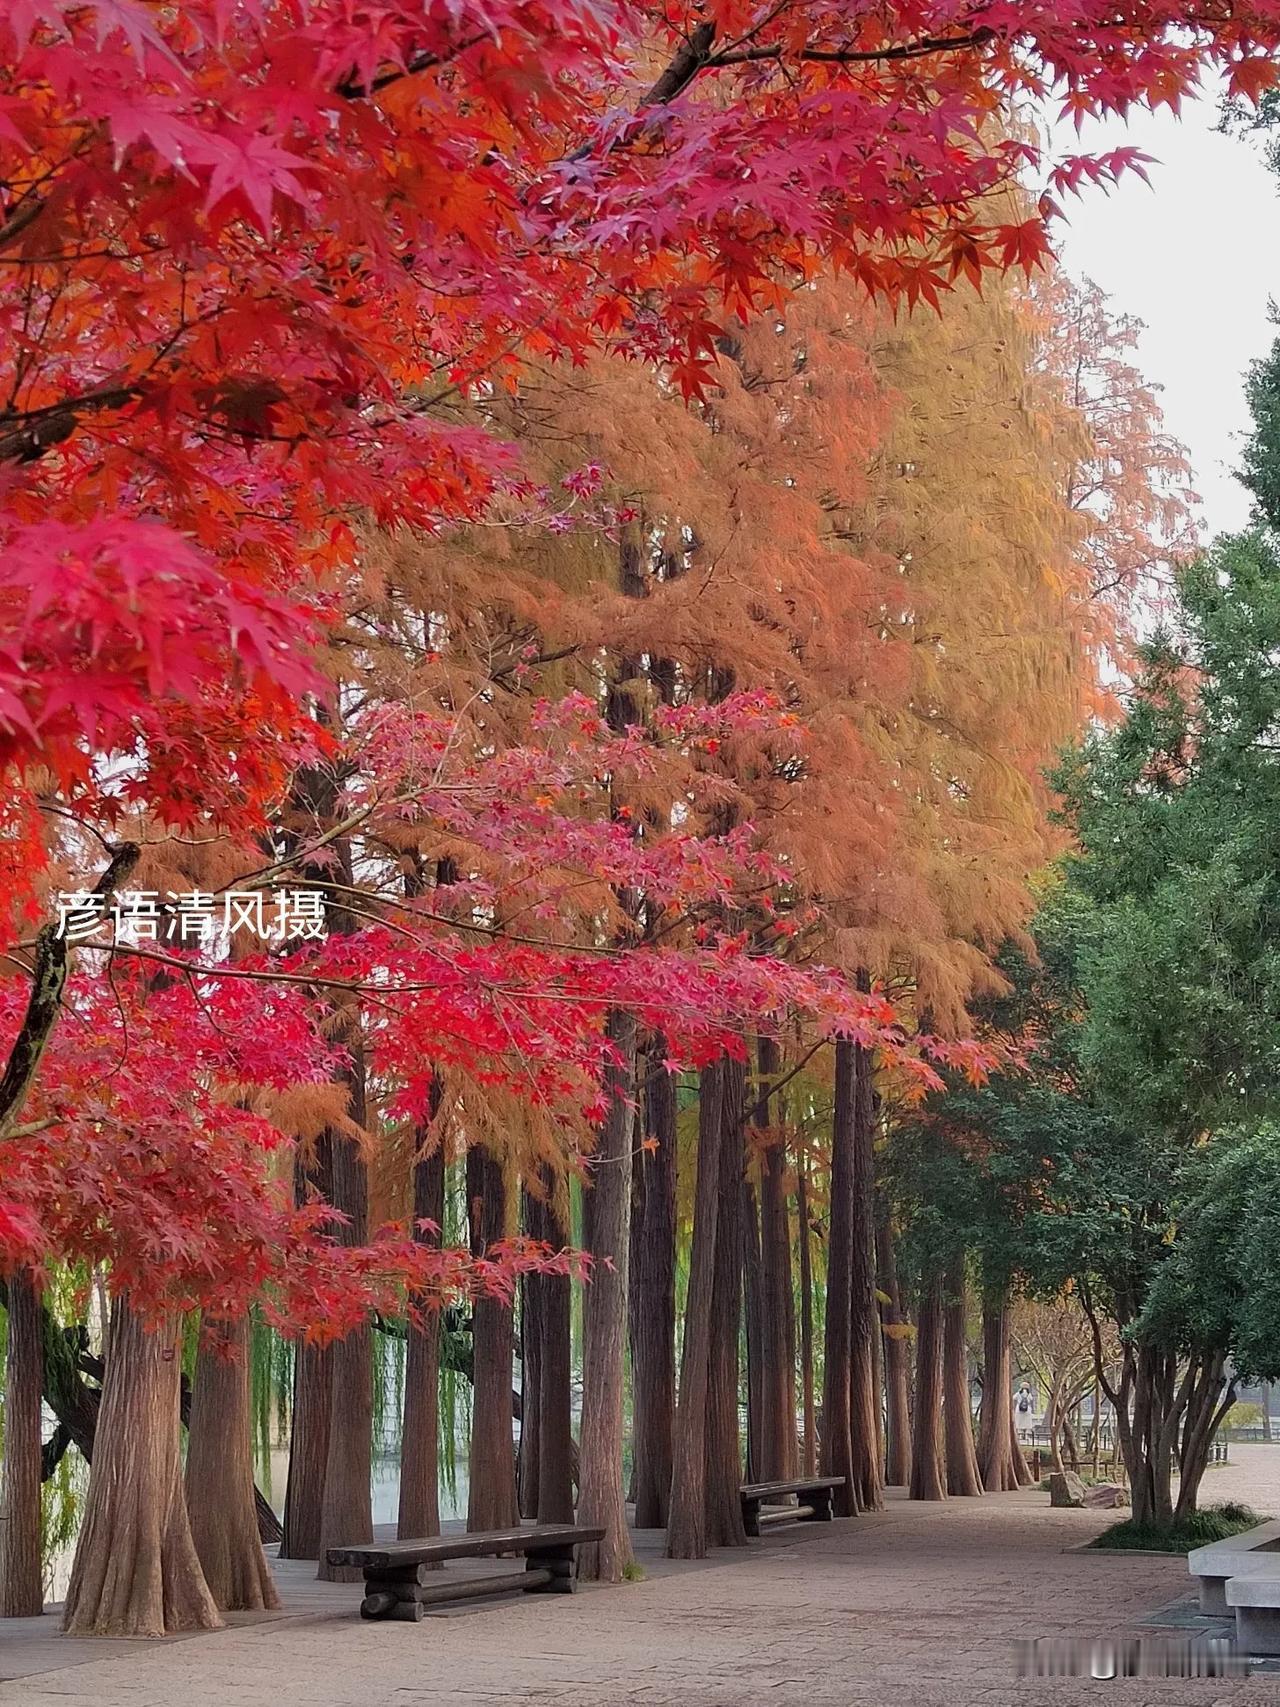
632	1572
1214	1523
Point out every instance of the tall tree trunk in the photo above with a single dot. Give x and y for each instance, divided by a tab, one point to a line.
687	1523
529	1458
928	1470
220	1492
837	1445
136	1571
897	1360
652	1294
778	1327
419	1510
962	1460
996	1432
21	1580
491	1497
346	1515
864	1315
312	1390
1021	1469
808	1408
753	1316
723	1436
556	1451
601	1498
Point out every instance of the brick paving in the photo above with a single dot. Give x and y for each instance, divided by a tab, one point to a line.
918	1604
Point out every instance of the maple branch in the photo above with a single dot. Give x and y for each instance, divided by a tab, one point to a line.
851	56
689	59
351	89
26	434
49	977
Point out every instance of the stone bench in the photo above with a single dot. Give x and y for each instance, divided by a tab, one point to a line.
1255	1600
1238	1556
400	1576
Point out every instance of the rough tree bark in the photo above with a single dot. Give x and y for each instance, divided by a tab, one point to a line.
724	1526
529	1457
601	1498
753	1322
419	1510
312	1390
837	1443
346	1513
778	1326
491	1497
220	1492
557	1452
864	1315
928	1472
996	1464
808	1408
962	1460
652	1294
687	1524
136	1571
21	1581
897	1360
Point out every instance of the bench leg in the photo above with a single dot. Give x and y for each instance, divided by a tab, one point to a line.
751	1518
557	1562
820	1499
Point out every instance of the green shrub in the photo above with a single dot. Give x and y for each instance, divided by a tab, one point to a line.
1214	1523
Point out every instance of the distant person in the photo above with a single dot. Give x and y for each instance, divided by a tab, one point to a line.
1024	1408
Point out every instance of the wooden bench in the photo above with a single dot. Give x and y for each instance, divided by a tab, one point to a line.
398	1581
814	1495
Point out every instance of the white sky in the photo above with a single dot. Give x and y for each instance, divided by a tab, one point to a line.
1196	257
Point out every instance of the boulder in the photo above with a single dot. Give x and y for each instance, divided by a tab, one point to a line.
1106	1496
1065	1489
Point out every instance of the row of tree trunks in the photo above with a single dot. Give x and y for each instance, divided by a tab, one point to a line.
837	1439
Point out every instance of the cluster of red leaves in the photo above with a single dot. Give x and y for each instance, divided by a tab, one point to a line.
249	248
249	245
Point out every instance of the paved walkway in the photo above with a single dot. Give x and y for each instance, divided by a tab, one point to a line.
918	1604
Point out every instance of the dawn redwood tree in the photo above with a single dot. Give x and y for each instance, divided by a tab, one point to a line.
136	1570
928	1459
998	1448
837	1449
491	1468
607	1207
723	1445
864	1316
21	1564
651	1293
419	1504
219	1472
962	1461
894	1330
778	1327
687	1522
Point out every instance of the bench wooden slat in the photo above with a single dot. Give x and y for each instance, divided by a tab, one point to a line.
797	1485
387	1555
